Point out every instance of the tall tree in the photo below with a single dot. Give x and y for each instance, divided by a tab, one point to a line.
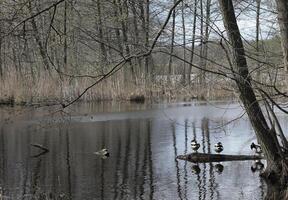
136	30
170	63
282	8
148	59
258	4
65	36
202	60
276	163
184	41
38	39
193	40
116	28
103	59
1	63
204	47
123	10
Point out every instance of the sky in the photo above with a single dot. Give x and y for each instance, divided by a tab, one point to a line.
246	18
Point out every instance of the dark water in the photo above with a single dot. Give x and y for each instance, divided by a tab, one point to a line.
143	142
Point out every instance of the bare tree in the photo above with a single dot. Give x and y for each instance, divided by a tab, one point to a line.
282	8
170	63
37	37
65	36
184	41
193	40
276	163
258	4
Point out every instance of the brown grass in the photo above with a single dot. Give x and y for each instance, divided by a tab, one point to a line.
51	88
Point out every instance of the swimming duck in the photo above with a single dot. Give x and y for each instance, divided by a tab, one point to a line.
194	145
218	147
103	152
257	148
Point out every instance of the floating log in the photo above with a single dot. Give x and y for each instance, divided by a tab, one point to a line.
204	157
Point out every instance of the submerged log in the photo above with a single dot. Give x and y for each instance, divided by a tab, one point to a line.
204	157
40	147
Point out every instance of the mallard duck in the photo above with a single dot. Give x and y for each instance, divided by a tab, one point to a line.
218	147
256	148
103	153
194	145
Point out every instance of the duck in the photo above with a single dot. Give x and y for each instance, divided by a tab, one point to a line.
218	147
256	148
103	152
194	145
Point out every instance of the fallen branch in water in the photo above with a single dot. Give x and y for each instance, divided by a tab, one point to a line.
204	157
40	147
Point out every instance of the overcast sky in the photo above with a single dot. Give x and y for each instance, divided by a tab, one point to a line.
246	18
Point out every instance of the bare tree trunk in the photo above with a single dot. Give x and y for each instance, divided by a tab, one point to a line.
143	26
36	34
65	36
282	7
184	42
101	36
136	31
193	41
201	75
147	25
265	135
170	67
123	10
204	40
1	63
258	3
117	31
205	45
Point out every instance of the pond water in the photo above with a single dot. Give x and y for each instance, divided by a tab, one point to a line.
143	141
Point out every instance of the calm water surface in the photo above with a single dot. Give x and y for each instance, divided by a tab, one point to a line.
143	141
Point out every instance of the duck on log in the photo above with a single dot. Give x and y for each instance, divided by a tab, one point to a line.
204	157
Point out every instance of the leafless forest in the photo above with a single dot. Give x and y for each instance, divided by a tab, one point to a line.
52	51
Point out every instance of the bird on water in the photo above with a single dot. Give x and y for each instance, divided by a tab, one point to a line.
218	147
194	145
256	148
103	152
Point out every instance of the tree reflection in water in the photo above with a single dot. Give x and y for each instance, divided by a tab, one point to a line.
142	164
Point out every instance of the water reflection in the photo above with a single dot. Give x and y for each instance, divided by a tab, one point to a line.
219	168
195	169
257	166
142	162
176	162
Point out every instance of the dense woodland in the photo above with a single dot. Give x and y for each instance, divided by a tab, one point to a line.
51	51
